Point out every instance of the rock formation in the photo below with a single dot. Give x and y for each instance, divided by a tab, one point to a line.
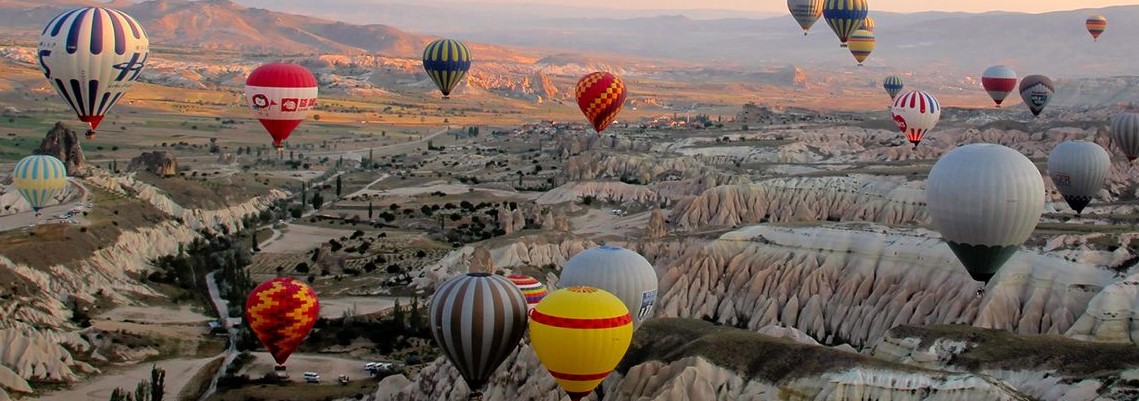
63	143
160	162
657	228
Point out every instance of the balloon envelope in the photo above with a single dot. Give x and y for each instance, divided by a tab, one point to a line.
915	113
39	179
280	96
92	56
985	199
999	81
868	24
580	334
600	95
477	319
619	271
1078	169
893	85
1125	133
1096	24
861	43
1036	91
532	289
845	16
281	312
806	12
446	62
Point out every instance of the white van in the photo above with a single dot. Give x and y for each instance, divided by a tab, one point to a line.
312	377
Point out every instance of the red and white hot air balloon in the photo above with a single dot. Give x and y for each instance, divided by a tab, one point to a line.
999	81
916	113
280	96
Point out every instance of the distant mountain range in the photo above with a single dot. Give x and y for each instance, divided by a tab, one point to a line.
924	44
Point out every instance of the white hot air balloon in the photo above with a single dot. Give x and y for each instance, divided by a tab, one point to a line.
915	113
1078	169
625	273
1125	133
985	199
92	56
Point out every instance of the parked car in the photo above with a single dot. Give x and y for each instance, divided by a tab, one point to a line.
312	377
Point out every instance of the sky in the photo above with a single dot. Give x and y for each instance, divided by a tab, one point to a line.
1031	6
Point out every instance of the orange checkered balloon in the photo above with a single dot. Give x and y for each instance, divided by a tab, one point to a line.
600	96
281	313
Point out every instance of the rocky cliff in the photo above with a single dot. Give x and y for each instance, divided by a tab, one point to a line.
63	143
160	162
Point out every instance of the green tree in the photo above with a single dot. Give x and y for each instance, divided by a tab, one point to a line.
157	383
369	210
397	317
338	186
414	321
317	200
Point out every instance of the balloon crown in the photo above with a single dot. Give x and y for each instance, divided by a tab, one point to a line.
478	274
582	289
610	248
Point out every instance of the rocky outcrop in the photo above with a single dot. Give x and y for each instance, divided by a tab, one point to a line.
63	143
606	192
160	162
656	228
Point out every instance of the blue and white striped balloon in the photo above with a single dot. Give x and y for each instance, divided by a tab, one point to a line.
40	178
92	56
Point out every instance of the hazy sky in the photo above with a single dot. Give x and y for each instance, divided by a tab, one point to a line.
1032	6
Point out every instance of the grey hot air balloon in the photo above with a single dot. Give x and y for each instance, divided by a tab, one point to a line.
1078	169
985	199
1125	133
806	12
625	273
477	319
1036	91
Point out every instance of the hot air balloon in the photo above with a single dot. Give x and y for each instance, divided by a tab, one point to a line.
92	56
39	179
806	12
280	96
477	319
868	24
915	113
845	16
446	62
999	81
532	289
861	43
893	85
281	312
600	95
1036	91
1125	134
985	199
1096	24
580	335
620	271
1078	169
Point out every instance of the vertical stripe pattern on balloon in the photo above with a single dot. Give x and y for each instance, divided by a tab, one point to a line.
446	61
845	16
39	179
1125	134
477	319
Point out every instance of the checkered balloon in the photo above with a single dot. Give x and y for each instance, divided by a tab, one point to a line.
600	96
281	312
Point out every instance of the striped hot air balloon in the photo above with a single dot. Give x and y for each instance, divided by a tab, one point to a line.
916	113
868	24
1125	134
1096	24
861	43
1078	169
600	95
985	199
580	335
1036	91
446	62
621	272
281	312
40	179
477	319
999	81
92	56
280	95
806	12
531	288
845	16
893	85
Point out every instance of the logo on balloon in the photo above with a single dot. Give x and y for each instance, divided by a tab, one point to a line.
260	101
1062	179
901	122
1038	99
289	104
648	298
133	67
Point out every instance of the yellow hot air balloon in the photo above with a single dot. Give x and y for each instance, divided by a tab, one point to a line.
861	43
580	334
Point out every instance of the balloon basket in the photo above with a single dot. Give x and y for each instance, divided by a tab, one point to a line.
474	396
90	134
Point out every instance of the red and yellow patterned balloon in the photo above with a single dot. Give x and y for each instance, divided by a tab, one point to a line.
281	312
600	96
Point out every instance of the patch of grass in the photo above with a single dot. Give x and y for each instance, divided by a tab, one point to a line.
329	389
214	193
999	349
753	355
